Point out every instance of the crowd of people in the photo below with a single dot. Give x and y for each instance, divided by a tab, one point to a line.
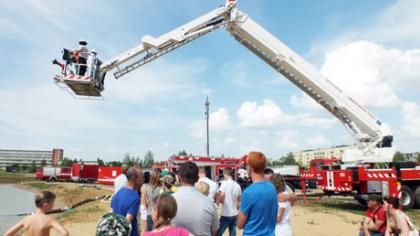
186	203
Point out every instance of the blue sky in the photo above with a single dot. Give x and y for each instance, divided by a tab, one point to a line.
369	48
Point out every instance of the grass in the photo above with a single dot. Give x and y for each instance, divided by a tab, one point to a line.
93	208
12	178
66	214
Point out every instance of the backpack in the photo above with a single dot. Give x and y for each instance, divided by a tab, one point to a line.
113	224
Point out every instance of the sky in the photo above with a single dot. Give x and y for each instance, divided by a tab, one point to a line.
370	49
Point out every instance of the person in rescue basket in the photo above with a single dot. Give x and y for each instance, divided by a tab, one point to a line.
83	55
258	211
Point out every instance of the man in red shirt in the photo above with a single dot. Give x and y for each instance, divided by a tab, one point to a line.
375	221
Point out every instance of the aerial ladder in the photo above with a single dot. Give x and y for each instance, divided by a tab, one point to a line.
373	137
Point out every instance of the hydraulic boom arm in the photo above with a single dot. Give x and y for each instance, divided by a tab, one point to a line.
373	137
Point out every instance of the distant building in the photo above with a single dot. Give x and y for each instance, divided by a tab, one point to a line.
412	156
304	157
26	157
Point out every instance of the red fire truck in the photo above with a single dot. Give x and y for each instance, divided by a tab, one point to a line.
107	175
52	173
84	172
213	165
398	179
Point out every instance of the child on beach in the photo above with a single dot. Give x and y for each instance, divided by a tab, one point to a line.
39	224
164	209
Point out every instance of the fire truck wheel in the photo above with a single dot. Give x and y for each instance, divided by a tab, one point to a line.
417	196
52	179
408	197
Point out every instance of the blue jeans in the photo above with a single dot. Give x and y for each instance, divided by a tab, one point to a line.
371	233
149	223
225	222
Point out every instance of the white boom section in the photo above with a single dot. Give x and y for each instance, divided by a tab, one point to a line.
363	125
373	137
153	48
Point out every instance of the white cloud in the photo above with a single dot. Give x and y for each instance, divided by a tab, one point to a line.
152	84
266	115
411	119
287	140
369	72
219	121
318	141
398	23
46	111
304	102
308	120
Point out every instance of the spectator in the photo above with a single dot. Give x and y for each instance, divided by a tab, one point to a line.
143	204
213	185
39	223
258	212
126	201
283	226
398	223
121	180
268	172
167	182
152	191
203	188
230	197
285	196
196	212
83	55
375	221
164	209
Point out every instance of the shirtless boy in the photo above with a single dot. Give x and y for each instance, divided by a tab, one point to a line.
39	224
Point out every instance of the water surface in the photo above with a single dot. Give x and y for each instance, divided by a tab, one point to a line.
14	201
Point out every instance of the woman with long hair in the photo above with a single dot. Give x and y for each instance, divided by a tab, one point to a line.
152	191
164	209
283	226
398	223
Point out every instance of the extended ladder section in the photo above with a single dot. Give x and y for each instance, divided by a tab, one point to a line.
153	48
364	126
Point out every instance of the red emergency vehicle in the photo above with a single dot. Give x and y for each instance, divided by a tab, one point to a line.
398	179
84	172
52	173
107	175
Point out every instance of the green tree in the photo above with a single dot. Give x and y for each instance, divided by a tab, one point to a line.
66	162
100	162
148	159
32	168
182	153
288	159
127	159
398	157
43	162
25	167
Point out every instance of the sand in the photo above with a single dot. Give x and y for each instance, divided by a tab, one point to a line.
305	221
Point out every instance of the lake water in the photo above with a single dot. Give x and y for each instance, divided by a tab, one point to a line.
14	201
